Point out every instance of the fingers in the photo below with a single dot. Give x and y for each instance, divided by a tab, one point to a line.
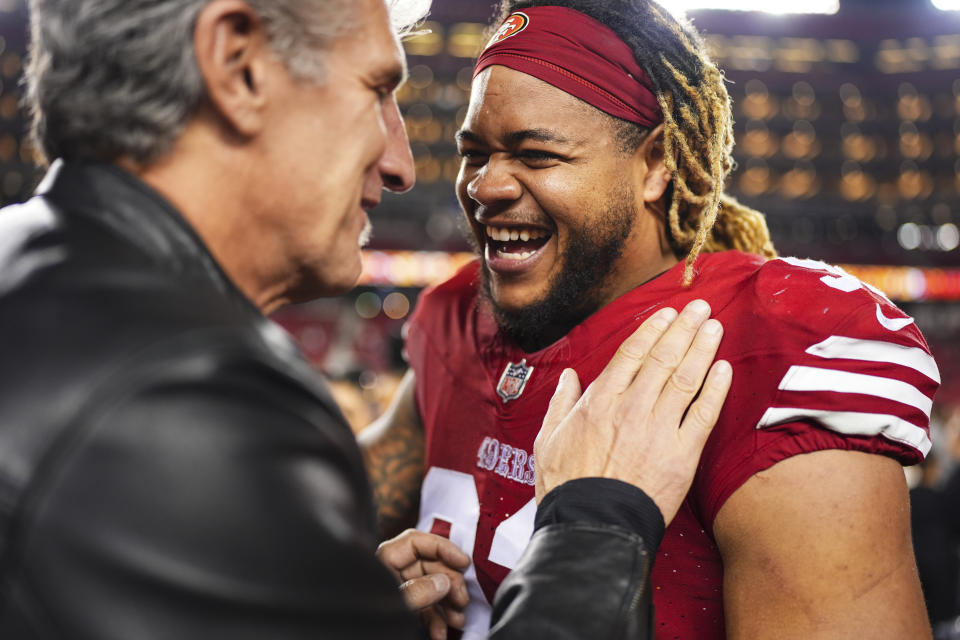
686	380
449	617
668	353
457	595
626	362
431	595
437	618
432	567
425	591
566	395
455	618
435	624
703	414
413	546
425	594
449	554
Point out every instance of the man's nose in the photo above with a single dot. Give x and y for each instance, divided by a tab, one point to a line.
396	165
494	182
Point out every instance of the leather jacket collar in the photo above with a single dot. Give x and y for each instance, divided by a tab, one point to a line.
135	211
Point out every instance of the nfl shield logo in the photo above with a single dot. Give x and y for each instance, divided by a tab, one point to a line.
513	380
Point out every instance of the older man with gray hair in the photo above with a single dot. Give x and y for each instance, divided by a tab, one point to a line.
170	467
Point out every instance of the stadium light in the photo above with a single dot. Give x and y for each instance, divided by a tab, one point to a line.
798	6
947	5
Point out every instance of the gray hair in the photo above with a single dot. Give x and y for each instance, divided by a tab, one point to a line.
405	15
117	78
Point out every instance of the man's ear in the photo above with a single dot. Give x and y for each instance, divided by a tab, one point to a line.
651	154
233	55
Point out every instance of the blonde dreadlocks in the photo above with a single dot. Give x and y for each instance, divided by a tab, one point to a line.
698	126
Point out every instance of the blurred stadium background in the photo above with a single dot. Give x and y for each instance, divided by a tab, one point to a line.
848	130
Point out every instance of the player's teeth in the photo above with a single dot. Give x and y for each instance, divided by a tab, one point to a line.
506	235
523	255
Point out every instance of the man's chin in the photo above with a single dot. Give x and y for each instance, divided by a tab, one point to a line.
320	282
510	306
534	319
519	316
514	293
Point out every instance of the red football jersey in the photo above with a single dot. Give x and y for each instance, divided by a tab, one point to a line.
820	361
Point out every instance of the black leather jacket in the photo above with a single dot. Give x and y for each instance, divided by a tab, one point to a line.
171	468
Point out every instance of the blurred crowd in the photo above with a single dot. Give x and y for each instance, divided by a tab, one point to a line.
935	516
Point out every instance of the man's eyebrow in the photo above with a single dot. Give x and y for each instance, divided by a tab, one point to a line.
516	137
537	135
465	135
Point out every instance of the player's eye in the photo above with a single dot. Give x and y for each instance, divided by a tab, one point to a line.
538	156
472	157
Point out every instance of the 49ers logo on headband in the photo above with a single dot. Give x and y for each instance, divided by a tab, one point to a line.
513	25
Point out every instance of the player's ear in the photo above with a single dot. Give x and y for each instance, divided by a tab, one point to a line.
233	55
657	176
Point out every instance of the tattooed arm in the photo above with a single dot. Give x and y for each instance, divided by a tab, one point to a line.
393	450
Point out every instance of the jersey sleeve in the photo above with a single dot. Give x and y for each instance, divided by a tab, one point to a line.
832	365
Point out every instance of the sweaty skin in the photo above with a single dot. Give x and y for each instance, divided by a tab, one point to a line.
818	546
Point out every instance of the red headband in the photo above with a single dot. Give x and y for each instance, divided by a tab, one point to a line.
578	55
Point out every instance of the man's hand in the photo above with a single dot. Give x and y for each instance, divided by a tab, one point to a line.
625	425
430	569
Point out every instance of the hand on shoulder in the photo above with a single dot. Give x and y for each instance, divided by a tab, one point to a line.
646	417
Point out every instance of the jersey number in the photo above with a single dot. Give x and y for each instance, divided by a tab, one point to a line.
450	506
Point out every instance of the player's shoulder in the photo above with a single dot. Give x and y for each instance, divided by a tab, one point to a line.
805	288
823	361
805	276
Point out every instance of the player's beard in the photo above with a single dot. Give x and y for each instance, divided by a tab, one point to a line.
577	291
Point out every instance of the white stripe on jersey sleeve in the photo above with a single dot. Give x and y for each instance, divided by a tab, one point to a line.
853	423
815	379
877	351
892	324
